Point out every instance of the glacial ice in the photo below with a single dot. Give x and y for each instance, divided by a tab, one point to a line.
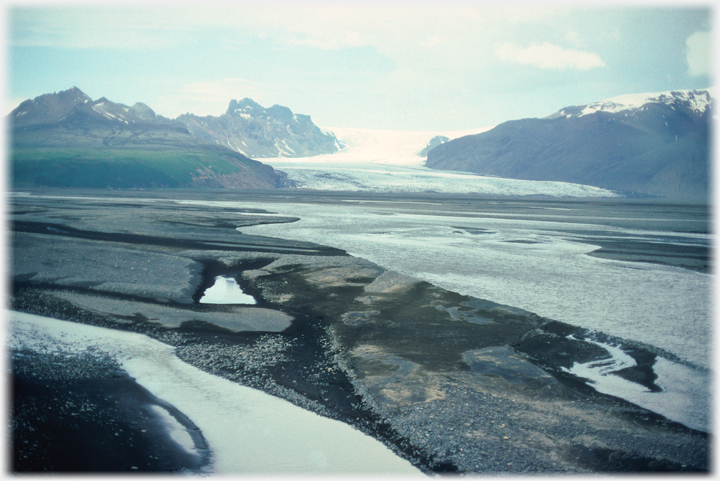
388	161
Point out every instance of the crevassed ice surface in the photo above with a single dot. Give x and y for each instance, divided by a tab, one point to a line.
248	431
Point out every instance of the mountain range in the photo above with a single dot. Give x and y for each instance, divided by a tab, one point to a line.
66	139
257	132
646	145
654	145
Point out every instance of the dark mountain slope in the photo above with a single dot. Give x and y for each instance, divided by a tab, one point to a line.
47	108
68	140
656	147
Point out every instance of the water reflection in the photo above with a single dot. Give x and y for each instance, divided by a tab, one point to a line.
226	291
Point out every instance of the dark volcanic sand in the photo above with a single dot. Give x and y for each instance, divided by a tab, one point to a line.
390	355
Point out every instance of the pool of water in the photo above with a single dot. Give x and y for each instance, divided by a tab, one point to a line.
226	290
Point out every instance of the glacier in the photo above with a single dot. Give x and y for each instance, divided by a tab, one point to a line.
388	161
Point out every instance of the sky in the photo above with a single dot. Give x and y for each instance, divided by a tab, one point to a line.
376	65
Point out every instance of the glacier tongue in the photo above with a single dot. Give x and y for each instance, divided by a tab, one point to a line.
388	161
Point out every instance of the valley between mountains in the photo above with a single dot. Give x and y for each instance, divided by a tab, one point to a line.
638	146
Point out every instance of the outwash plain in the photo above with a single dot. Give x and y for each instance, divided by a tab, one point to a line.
392	356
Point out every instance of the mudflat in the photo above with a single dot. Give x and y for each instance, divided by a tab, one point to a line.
450	382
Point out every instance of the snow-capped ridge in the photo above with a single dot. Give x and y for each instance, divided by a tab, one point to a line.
695	100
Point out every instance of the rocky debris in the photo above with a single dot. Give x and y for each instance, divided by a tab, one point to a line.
103	267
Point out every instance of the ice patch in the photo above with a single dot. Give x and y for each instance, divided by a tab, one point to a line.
596	371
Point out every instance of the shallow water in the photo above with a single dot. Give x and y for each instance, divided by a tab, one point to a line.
534	255
537	262
226	290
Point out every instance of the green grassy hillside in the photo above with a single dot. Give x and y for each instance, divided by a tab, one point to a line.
67	140
134	168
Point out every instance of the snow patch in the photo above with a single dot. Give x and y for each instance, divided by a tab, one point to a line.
697	100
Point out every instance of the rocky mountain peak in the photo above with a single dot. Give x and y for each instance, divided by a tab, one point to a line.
143	111
72	141
255	131
48	108
246	105
247	127
654	144
280	112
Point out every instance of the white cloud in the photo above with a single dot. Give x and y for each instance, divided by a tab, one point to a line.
81	28
699	57
548	56
347	39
